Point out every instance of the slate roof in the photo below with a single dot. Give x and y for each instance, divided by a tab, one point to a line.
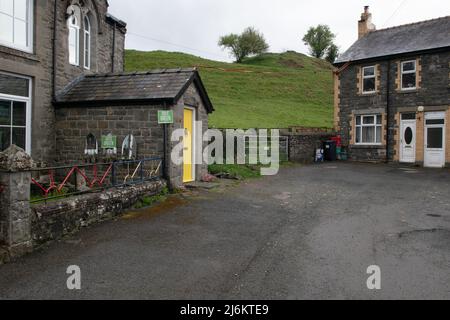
155	86
414	37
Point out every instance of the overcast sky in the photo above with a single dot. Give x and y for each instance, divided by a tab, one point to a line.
194	26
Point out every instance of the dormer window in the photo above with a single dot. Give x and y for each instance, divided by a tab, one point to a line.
409	75
16	24
368	81
74	36
87	43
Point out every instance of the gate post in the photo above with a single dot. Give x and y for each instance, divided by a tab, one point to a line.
15	210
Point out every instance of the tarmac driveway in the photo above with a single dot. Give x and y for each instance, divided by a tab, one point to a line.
308	233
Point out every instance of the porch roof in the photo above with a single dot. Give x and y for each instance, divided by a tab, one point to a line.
155	86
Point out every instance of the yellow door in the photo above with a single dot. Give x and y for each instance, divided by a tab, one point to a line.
188	154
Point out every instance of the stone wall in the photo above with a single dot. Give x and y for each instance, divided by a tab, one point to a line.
433	93
38	65
56	220
302	147
75	123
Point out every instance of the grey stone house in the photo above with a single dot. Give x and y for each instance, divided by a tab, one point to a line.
392	93
62	80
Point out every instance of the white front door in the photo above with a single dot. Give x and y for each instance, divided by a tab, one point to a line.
435	139
408	141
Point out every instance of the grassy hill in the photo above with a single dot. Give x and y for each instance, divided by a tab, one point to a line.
269	91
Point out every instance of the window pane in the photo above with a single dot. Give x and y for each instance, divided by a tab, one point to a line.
368	120
436	121
369	71
87	48
5	113
20	32
379	119
14	86
72	37
379	133
409	80
19	113
73	47
369	85
408	116
87	25
20	9
358	120
18	137
6	6
368	134
358	135
408	137
434	138
409	66
5	138
6	28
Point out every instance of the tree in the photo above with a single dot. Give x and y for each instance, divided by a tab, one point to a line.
332	53
250	42
319	39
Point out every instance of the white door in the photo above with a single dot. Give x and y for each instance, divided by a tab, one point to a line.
435	139
408	141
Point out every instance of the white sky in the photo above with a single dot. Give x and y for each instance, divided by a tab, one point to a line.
194	26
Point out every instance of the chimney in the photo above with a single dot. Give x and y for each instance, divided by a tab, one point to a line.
365	25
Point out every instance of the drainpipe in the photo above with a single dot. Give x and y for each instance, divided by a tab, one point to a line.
113	53
55	8
165	136
388	109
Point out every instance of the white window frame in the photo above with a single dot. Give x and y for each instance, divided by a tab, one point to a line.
75	27
30	31
359	127
87	43
28	101
409	72
369	77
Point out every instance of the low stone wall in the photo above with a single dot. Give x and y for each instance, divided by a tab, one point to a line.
367	153
53	221
23	227
302	147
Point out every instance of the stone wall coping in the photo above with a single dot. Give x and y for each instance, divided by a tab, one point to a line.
15	159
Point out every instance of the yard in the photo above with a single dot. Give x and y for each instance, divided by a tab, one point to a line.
309	232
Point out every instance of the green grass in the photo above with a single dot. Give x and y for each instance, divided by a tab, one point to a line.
148	201
269	91
240	172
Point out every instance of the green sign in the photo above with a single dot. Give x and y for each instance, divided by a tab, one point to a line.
109	142
165	116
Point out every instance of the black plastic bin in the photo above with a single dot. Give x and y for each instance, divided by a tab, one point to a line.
330	150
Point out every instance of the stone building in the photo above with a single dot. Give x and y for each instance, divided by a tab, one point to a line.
392	93
57	60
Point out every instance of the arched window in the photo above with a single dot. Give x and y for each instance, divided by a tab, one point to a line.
74	36
87	43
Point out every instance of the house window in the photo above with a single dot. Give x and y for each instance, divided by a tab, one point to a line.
87	43
369	79
16	24
368	129
15	112
409	75
74	34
